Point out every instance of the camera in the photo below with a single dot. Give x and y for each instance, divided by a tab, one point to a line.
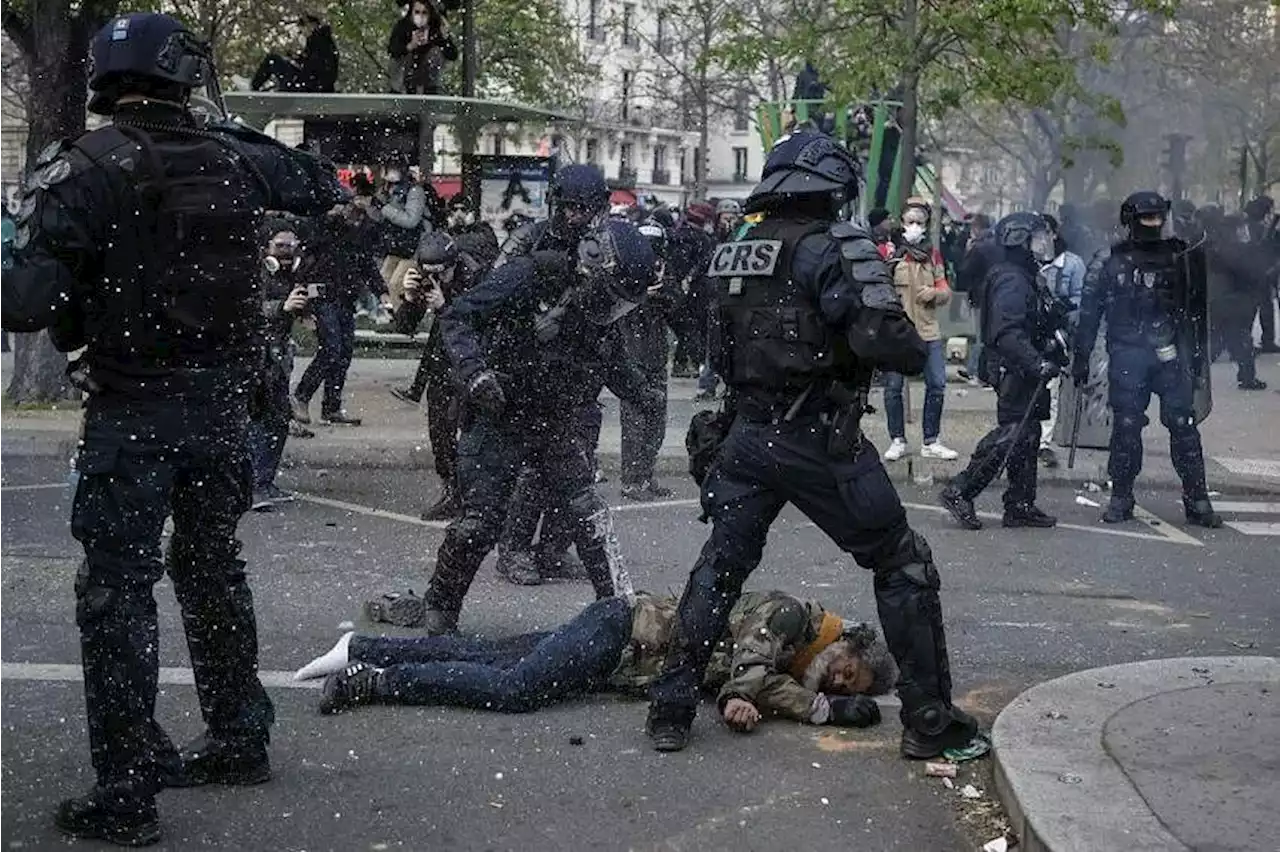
316	291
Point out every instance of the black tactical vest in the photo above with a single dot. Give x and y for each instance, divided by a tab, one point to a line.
180	286
766	332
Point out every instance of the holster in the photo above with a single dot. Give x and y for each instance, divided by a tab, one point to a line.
844	430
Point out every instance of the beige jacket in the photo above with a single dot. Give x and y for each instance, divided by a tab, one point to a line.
923	289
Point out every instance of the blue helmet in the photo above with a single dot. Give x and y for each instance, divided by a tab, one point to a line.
617	264
144	48
805	164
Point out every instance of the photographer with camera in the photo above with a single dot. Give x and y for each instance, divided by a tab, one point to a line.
419	46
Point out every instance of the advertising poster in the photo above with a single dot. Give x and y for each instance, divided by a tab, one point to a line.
513	190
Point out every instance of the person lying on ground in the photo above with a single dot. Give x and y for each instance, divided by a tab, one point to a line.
781	657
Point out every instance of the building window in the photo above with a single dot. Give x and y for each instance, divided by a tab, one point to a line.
593	151
628	24
660	173
497	145
740	165
699	165
660	40
684	157
741	120
628	78
624	156
594	31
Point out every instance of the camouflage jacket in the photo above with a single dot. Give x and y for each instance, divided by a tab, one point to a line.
772	637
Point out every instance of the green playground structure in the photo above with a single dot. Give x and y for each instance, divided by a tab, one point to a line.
774	118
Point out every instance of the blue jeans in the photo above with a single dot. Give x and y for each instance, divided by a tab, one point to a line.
336	329
512	675
935	391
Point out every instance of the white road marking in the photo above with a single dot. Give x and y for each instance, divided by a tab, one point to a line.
1245	508
1255	527
175	676
1269	468
44	486
656	504
373	513
1178	536
1164	528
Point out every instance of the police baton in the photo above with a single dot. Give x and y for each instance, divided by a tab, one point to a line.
1022	424
1075	425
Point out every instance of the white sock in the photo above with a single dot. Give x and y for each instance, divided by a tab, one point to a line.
331	662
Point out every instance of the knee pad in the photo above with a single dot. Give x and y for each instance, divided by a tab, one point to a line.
471	530
1179	422
96	602
909	549
1130	422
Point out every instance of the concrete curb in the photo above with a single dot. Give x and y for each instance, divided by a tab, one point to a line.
1061	788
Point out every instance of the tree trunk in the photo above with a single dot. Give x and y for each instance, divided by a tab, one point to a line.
910	107
56	69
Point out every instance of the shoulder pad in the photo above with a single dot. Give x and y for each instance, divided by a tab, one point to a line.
848	231
859	248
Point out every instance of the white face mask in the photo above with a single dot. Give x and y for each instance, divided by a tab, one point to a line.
419	21
913	233
393	177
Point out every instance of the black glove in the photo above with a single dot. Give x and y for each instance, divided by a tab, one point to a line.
485	392
550	263
1080	370
859	711
1048	370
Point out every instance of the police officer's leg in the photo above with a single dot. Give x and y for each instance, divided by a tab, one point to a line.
741	504
855	504
1185	450
570	471
488	459
118	513
1013	398
1129	393
1239	343
211	491
529	496
1267	319
273	423
560	528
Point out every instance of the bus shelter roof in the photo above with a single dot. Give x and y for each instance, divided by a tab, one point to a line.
258	108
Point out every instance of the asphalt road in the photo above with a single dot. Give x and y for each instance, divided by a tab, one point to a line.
1021	607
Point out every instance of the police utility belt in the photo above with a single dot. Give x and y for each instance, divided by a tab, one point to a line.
831	403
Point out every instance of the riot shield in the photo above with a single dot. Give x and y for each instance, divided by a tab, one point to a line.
1095	419
1193	329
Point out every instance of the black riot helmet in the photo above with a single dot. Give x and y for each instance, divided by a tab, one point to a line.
1138	215
1258	209
615	268
806	166
1028	233
146	54
578	196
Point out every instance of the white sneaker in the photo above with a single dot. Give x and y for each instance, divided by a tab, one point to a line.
897	449
331	662
937	450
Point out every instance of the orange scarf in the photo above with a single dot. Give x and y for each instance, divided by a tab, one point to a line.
831	629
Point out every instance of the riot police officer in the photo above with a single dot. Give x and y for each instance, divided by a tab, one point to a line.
1018	360
805	310
578	197
137	242
523	343
1148	288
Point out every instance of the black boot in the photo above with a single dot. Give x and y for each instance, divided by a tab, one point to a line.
645	491
413	396
117	814
1027	515
518	567
438	622
214	761
447	507
1251	384
911	620
1048	457
339	418
668	731
358	683
1119	510
961	508
1200	512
